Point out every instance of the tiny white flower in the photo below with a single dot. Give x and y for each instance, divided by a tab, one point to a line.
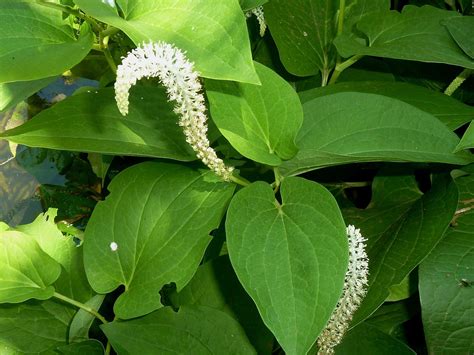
113	246
354	291
170	65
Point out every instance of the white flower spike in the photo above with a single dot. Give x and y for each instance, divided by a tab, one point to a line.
259	14
353	293
170	65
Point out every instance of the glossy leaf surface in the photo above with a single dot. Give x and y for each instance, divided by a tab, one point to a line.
291	257
153	246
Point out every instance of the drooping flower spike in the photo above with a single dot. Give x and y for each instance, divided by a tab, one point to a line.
170	65
354	291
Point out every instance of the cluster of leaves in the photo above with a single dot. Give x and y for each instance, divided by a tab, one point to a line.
345	94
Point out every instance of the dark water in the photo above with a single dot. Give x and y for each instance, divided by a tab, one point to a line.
36	178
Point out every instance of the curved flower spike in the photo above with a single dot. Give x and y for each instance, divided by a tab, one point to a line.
353	293
170	65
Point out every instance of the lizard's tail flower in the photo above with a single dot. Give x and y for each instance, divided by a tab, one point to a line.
354	291
259	14
170	65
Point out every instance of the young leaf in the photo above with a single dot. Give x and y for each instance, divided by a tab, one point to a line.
35	42
446	283
451	112
366	339
351	127
215	285
261	122
73	281
152	230
461	29
82	321
291	257
34	327
401	230
305	29
414	34
212	32
91	122
191	330
27	271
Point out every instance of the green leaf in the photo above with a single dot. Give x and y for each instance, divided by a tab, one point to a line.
404	289
27	271
401	230
160	216
414	34
215	285
391	315
366	339
34	327
191	330
451	112
261	122
12	93
446	283
36	43
461	29
212	32
73	281
351	127
82	321
89	347
251	4
467	140
91	122
305	29
291	257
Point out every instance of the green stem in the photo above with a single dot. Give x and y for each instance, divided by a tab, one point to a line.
69	10
340	67
456	83
340	22
104	45
80	305
239	180
107	348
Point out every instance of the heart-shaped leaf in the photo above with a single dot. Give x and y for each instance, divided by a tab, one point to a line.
35	42
27	271
191	330
261	122
351	127
212	32
152	230
91	122
291	257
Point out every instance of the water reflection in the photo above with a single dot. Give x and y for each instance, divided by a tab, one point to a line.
22	175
